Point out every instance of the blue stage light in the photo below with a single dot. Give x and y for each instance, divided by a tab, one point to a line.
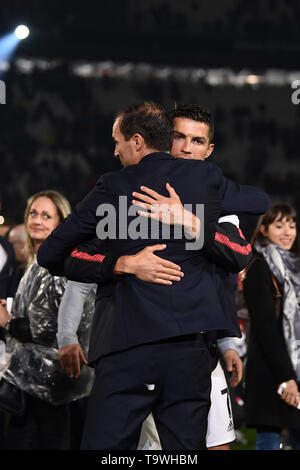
8	44
10	41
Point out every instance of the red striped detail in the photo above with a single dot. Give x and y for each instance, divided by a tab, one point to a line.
241	233
244	250
83	255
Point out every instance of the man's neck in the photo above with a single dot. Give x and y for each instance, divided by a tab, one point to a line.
148	151
143	154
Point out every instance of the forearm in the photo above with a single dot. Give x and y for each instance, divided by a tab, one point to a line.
236	198
76	228
85	270
90	262
225	245
70	312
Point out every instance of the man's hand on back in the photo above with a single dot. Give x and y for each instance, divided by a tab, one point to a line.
146	266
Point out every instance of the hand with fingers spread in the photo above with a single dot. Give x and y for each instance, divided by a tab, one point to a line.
70	358
168	210
147	266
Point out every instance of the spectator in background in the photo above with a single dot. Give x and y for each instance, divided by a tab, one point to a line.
5	224
7	289
272	293
7	269
5	228
7	262
32	329
17	237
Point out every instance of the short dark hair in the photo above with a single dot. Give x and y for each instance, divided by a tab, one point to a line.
276	210
149	120
195	113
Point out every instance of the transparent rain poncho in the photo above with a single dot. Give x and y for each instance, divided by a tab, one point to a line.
34	366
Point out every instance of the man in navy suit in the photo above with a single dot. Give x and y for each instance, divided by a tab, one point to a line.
148	343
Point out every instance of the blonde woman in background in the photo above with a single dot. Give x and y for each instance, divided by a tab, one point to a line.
32	329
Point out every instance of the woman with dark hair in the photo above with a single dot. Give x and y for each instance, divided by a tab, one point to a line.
272	294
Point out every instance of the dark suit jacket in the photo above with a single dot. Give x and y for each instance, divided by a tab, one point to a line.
132	312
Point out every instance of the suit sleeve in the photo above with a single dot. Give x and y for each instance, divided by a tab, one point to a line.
90	262
226	246
236	198
76	228
259	296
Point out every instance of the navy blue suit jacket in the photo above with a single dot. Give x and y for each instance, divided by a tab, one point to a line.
131	312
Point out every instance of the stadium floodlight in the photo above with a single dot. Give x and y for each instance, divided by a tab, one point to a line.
10	42
22	31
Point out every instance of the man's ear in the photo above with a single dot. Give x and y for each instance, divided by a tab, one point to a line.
138	141
210	150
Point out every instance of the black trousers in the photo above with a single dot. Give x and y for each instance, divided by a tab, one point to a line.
43	426
171	379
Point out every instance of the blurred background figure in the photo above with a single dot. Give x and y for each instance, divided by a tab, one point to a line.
7	261
17	237
8	283
5	226
272	293
7	269
5	223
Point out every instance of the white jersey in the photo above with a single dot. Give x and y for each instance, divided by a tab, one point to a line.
220	428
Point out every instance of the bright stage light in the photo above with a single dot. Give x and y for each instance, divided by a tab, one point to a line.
22	31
